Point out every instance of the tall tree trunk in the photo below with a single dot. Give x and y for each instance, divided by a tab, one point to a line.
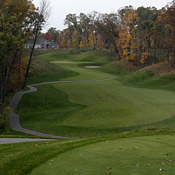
87	36
155	54
94	38
30	59
5	77
3	90
2	82
139	53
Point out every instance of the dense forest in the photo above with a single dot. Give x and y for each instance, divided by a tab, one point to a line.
143	36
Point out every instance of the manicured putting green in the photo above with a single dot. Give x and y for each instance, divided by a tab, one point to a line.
147	155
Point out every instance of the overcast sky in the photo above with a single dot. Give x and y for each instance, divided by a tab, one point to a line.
60	8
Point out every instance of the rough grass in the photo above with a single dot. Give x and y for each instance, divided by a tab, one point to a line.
146	79
127	65
161	69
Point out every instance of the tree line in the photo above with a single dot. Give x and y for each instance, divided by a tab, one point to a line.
143	35
19	21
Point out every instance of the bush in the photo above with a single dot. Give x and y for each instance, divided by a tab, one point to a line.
4	119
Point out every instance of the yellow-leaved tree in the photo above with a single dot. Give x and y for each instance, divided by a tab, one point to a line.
75	41
83	43
91	40
126	43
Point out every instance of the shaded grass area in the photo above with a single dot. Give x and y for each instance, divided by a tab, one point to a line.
136	155
42	71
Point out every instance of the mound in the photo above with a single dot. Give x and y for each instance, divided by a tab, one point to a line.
127	65
160	69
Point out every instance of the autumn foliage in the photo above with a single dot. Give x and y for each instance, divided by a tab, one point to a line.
19	22
47	36
143	35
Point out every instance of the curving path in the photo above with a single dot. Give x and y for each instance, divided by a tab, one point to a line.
20	140
14	118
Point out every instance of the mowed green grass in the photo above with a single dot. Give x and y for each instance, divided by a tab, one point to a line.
59	65
84	73
110	104
78	62
133	156
92	108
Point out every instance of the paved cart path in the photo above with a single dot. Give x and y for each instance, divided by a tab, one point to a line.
15	119
19	140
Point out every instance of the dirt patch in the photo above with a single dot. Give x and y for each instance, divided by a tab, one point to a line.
127	65
92	67
160	69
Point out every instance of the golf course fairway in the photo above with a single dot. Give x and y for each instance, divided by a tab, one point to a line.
95	104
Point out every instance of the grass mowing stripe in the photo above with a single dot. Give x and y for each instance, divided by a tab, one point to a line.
21	158
138	155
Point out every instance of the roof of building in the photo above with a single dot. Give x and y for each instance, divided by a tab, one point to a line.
41	41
